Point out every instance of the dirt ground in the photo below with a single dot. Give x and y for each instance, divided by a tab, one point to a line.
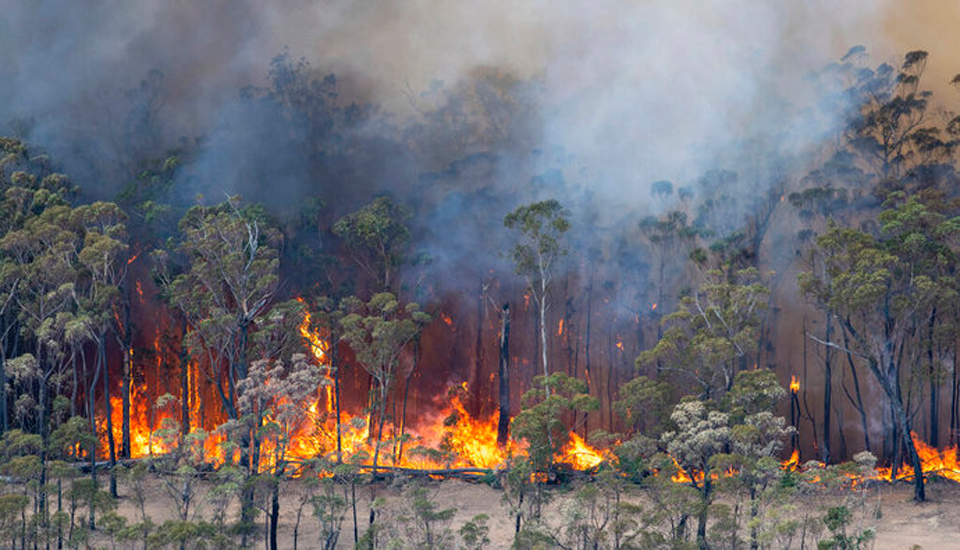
903	524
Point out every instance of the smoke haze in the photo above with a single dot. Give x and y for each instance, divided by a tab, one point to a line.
638	91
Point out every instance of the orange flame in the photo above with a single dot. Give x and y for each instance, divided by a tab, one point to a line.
579	455
465	441
932	461
560	328
794	384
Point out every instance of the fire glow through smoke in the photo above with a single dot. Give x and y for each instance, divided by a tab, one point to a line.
470	442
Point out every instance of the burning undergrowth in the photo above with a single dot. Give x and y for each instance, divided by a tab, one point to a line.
449	439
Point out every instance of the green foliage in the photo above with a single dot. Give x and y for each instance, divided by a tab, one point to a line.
378	332
643	405
837	519
474	532
541	424
377	238
700	434
540	226
713	333
425	524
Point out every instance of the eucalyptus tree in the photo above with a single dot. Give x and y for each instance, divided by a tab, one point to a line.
274	400
713	334
228	279
43	257
104	259
881	287
378	332
538	230
377	240
229	275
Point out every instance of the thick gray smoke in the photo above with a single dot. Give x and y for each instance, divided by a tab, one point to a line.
637	90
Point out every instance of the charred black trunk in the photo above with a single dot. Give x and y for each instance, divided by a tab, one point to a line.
503	425
934	384
274	514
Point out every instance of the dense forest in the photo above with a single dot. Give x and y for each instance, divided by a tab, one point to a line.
323	291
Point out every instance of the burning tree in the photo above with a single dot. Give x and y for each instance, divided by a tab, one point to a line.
378	332
539	228
879	292
228	281
274	401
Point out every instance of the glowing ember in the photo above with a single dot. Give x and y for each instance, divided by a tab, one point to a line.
560	328
653	307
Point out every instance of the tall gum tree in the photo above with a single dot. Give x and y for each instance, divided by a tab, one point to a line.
539	229
229	276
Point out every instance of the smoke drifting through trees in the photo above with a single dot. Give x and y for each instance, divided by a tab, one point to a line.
462	112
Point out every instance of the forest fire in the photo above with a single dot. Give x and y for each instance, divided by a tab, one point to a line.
496	286
469	442
933	461
579	455
466	441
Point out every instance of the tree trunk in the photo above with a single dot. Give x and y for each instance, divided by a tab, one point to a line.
934	384
503	424
905	433
125	394
184	384
91	402
827	392
856	389
704	510
4	419
382	414
108	408
335	365
42	421
586	350
953	400
475	376
275	513
406	393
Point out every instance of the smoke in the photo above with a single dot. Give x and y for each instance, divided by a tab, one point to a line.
638	91
589	102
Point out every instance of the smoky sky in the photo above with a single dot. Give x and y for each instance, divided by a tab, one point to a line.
634	91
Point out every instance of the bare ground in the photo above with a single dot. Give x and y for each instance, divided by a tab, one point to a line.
903	524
